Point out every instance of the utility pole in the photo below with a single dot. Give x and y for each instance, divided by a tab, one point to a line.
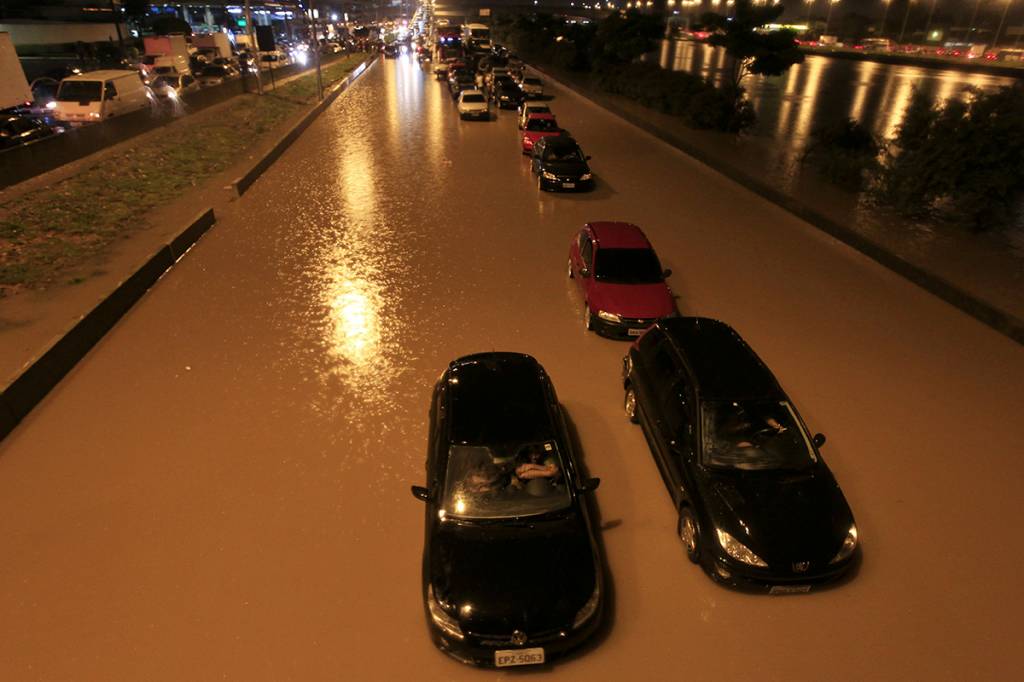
316	52
928	24
974	16
995	40
252	48
906	16
885	15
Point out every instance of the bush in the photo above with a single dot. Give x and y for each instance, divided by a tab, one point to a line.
963	160
845	152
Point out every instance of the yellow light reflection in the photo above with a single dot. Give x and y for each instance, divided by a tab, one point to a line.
356	327
867	70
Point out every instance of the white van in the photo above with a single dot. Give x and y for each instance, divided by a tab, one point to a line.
99	95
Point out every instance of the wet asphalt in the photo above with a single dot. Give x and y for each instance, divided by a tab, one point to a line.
221	488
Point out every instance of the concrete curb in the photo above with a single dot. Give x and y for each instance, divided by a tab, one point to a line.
243	183
27	390
999	320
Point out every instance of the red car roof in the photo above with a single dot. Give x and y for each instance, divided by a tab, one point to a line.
549	117
612	235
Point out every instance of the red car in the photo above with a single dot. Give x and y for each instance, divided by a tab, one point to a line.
538	126
620	278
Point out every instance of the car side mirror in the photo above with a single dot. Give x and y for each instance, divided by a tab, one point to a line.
421	493
667	273
584	272
818	440
589	485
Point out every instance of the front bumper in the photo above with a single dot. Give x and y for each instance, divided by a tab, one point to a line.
752	579
479	650
630	328
559	184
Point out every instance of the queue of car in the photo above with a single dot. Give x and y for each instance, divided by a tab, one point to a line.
757	507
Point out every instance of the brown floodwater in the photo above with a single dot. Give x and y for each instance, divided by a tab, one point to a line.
220	490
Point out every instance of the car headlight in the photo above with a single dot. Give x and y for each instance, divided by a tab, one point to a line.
611	317
441	618
849	544
51	105
738	551
93	114
585	176
549	176
588	610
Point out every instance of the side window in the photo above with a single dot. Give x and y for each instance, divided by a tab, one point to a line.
108	90
587	251
676	410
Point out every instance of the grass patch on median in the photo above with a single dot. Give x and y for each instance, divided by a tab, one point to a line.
47	233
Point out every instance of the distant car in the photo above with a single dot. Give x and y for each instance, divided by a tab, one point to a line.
533	88
274	60
512	574
560	165
528	108
390	51
216	74
460	80
536	127
620	279
19	130
473	104
173	86
507	96
757	506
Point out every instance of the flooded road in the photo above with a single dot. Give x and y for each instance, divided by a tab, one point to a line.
220	490
824	90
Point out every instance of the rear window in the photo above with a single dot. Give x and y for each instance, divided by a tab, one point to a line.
473	98
80	91
541	125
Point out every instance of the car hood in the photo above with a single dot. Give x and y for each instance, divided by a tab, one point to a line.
783	516
632	300
498	579
571	168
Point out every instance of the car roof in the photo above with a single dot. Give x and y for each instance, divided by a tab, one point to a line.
560	141
723	365
498	398
104	75
616	235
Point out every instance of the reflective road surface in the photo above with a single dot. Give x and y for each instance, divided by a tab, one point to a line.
220	490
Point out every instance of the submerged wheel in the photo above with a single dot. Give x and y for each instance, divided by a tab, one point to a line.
689	534
629	404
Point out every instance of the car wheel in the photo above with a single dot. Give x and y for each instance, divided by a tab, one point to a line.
689	534
588	318
570	269
540	183
630	405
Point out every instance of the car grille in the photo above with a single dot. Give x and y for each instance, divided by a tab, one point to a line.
506	640
639	321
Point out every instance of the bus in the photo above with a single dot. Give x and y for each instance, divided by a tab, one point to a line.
476	37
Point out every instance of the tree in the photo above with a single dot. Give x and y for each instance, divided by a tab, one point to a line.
623	37
750	49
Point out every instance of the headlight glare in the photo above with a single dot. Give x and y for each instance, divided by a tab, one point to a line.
585	176
737	550
849	544
549	176
610	317
441	618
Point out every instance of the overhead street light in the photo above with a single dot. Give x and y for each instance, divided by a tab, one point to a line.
828	17
903	29
995	40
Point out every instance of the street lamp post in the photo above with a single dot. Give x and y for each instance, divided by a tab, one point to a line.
885	15
928	24
974	16
995	40
810	8
828	17
903	29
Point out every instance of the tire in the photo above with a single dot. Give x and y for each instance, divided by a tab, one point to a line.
689	534
569	267
540	184
629	405
588	318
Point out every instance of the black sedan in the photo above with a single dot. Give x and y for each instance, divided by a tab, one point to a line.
511	569
19	130
757	505
559	164
507	95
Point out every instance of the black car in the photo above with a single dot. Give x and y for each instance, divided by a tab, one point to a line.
18	130
559	164
507	95
511	568
757	505
390	51
459	80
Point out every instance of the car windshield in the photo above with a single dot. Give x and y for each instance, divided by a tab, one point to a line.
79	91
481	485
542	125
628	266
473	98
557	154
534	109
754	435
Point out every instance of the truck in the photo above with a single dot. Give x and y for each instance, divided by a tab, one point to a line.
476	37
215	42
165	54
14	90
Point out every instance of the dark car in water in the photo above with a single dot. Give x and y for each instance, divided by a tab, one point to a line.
560	165
507	95
512	573
16	131
757	506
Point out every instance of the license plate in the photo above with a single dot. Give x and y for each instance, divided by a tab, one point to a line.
509	657
789	589
634	332
568	185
